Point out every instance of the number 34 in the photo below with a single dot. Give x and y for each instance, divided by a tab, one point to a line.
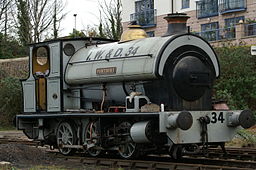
217	117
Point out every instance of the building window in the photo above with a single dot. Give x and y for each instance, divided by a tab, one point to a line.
207	8
145	14
210	31
227	6
144	5
185	4
231	22
230	26
151	33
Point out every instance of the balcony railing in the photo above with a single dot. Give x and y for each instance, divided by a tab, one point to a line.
145	18
227	6
207	8
218	34
250	29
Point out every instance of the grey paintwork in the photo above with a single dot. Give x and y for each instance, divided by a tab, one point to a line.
29	96
217	132
53	95
71	98
53	80
132	68
138	132
114	92
140	65
65	59
29	87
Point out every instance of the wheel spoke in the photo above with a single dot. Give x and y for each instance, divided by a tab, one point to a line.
66	129
132	145
131	149
69	142
65	135
63	128
70	132
61	131
91	135
128	148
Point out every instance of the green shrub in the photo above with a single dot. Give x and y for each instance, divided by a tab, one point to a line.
10	100
11	48
248	136
237	82
2	74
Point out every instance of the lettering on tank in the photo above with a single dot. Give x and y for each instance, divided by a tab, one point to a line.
112	53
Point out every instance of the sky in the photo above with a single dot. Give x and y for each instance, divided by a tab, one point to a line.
87	14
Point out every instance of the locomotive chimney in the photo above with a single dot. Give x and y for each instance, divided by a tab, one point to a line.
177	23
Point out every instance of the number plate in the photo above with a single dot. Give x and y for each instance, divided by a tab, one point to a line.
217	117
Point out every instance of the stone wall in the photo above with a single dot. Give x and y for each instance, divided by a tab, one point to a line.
17	67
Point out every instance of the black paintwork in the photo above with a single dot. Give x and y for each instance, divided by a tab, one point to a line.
84	115
186	83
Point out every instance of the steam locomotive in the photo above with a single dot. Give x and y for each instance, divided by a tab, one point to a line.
136	96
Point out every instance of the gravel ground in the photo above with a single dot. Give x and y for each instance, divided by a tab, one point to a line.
26	157
20	155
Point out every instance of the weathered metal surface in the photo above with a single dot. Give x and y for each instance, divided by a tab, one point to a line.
141	59
218	120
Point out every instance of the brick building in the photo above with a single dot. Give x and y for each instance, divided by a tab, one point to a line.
217	21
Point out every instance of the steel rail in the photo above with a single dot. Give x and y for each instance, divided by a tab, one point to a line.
164	161
183	164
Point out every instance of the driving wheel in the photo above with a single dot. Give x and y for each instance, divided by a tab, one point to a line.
127	148
66	136
92	139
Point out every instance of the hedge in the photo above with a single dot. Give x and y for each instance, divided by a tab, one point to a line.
237	83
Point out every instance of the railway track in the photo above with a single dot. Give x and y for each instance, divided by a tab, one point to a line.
234	153
151	162
237	158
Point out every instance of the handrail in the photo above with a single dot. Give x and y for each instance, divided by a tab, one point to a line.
218	34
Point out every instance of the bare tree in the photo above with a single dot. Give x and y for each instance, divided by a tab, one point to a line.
38	18
41	17
24	25
110	19
5	23
5	6
58	16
